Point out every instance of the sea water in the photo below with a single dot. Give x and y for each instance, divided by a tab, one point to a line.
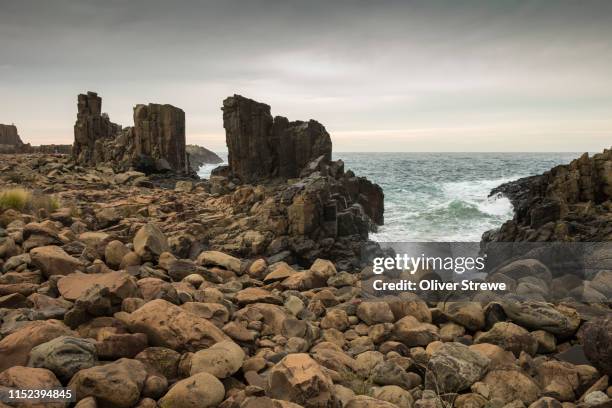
442	197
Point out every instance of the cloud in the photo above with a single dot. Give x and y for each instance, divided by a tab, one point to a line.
351	64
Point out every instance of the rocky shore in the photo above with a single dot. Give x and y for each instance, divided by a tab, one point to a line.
199	156
144	289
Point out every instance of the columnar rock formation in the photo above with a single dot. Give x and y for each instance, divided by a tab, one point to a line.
9	135
155	143
91	130
159	133
261	147
567	203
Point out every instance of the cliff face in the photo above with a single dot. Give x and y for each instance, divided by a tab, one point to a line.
567	203
199	156
9	135
156	142
262	147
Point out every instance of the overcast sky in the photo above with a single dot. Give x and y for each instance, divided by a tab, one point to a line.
380	75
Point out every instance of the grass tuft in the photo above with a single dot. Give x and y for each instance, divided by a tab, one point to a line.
20	199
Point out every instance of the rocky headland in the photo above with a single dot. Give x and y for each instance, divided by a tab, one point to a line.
199	156
136	284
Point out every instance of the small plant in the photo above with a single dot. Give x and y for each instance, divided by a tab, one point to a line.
20	199
16	199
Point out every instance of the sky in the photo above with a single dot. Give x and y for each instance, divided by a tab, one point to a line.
495	75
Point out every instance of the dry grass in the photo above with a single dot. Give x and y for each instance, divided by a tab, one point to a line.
25	200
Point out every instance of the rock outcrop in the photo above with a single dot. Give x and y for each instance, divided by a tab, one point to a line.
262	147
199	156
9	135
91	130
155	143
567	203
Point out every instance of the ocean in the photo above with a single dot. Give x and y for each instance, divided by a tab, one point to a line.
442	197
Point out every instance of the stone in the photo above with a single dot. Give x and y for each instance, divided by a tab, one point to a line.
53	260
217	258
27	378
468	314
412	333
559	320
120	285
596	337
199	156
15	348
394	395
160	360
257	295
221	359
150	242
121	345
298	378
64	355
114	253
375	312
546	402
510	385
117	384
201	390
510	337
454	367
335	318
363	401
168	325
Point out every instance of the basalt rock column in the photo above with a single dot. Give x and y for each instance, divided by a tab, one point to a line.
9	135
91	129
159	134
262	147
248	132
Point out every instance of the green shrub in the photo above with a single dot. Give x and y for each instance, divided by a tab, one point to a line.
16	199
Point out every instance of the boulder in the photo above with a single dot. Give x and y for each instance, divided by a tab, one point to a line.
117	384
27	378
120	284
221	360
168	325
454	367
298	378
53	260
64	356
15	348
150	242
510	385
413	333
375	312
202	390
216	258
510	337
559	320
596	337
